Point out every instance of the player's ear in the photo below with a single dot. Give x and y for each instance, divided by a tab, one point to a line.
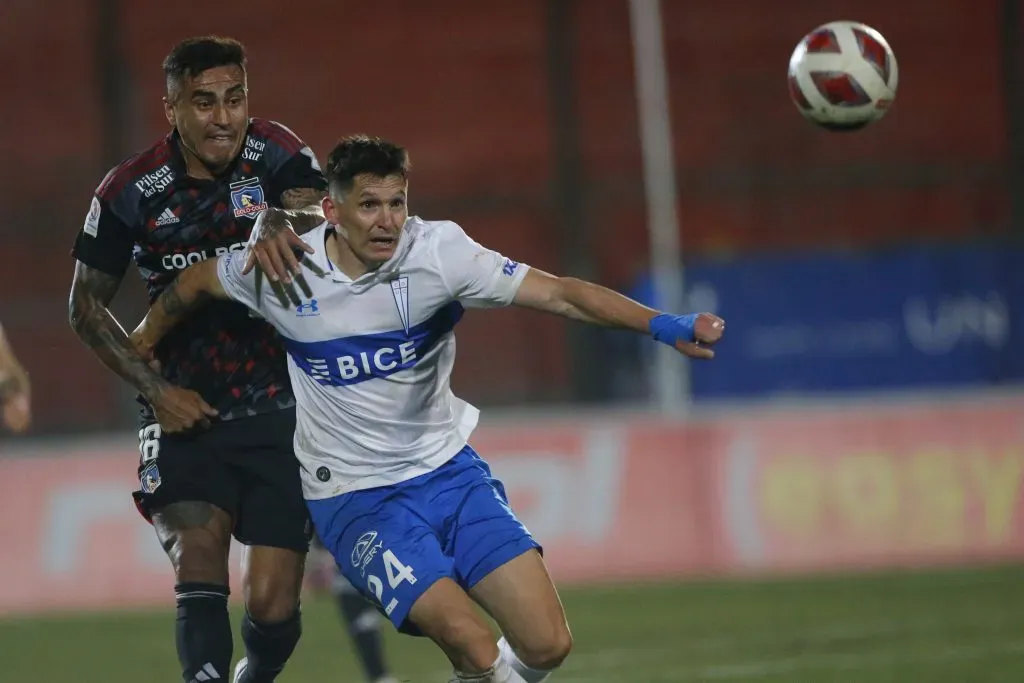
169	112
330	209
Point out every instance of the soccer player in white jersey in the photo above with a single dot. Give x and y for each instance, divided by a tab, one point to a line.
410	512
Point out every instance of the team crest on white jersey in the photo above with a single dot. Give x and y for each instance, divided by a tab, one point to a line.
400	290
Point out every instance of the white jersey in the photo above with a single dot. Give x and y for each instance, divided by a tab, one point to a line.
370	359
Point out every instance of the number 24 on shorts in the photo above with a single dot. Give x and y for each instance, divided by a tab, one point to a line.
396	573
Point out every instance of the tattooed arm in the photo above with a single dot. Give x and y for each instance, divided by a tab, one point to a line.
91	293
92	290
275	236
193	287
302	208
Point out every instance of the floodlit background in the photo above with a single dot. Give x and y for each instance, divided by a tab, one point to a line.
818	503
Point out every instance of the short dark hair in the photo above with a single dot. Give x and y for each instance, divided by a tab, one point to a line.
193	56
358	154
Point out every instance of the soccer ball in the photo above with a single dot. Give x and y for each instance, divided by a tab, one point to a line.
843	76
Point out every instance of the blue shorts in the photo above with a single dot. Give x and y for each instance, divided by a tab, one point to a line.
394	542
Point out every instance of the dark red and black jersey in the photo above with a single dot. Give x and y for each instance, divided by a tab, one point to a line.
149	209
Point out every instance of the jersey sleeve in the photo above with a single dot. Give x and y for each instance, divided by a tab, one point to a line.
476	276
302	170
293	164
105	241
240	288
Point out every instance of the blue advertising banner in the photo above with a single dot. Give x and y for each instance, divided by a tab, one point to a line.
907	319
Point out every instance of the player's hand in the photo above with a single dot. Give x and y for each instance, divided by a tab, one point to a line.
279	252
690	335
273	244
15	400
178	409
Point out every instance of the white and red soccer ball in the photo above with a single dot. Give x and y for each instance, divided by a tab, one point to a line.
843	75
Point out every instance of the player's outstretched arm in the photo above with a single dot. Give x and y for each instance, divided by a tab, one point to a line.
193	287
597	305
15	405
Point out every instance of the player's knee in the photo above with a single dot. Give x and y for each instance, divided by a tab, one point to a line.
270	602
547	651
196	537
466	640
271	583
473	641
197	555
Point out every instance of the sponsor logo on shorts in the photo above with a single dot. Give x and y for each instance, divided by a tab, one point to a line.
362	545
92	221
365	550
370	554
150	478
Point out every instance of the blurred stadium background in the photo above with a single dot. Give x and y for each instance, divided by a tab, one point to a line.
837	497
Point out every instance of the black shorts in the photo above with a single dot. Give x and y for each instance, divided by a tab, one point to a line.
246	467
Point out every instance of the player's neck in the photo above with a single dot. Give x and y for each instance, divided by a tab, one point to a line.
346	260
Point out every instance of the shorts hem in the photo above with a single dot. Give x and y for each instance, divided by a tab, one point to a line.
301	547
147	507
404	625
499	558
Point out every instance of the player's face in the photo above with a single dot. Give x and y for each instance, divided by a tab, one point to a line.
371	216
211	113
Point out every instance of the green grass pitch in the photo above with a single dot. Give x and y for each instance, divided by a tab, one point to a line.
912	627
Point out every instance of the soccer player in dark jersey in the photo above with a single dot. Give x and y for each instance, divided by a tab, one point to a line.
218	417
15	406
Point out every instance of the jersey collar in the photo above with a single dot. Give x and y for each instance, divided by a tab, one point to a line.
336	274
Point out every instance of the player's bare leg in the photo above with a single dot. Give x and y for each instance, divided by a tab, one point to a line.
447	615
196	537
271	583
522	599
